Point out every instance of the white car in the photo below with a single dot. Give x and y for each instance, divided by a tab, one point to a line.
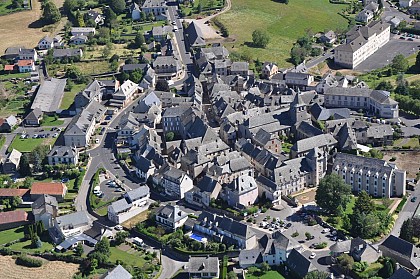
325	230
23	136
118	227
55	135
312	256
35	136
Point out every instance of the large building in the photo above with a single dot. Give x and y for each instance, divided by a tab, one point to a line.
362	42
378	102
377	177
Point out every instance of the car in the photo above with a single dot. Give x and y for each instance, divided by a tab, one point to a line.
288	225
104	123
413	199
108	117
118	227
35	136
173	22
312	246
64	180
326	230
23	136
255	215
402	38
55	135
312	256
334	233
118	190
96	140
175	28
410	39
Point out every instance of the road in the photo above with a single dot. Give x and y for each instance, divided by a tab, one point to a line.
314	62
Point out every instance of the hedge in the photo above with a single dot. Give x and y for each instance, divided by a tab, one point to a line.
28	262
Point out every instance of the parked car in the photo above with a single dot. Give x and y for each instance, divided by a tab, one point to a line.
118	227
413	199
288	225
55	135
326	230
312	256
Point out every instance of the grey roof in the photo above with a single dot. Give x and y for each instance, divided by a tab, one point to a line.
239	66
69	52
80	123
49	95
162	61
194	35
79	37
250	257
120	205
82	30
73	219
207	184
43	204
379	131
63	151
316	141
138	193
172	213
299	263
118	272
203	264
47	39
154	3
34	115
132	67
308	129
161	30
174	174
399	246
401	273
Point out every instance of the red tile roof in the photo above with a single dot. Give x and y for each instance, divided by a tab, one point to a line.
9	67
49	188
22	63
13	216
6	192
2	121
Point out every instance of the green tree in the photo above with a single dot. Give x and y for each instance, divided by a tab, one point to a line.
265	267
120	237
118	6
332	192
346	263
364	203
139	40
170	136
308	235
78	251
136	75
399	64
102	246
407	230
110	17
69	6
316	274
385	85
418	60
365	225
232	275
24	167
260	38
50	13
17	4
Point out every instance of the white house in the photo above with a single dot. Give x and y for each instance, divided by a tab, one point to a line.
70	225
365	16
176	183
77	31
241	192
46	43
171	216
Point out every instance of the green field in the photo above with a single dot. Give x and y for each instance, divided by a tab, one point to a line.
68	97
268	275
130	257
284	23
51	121
27	145
26	246
6	7
10	235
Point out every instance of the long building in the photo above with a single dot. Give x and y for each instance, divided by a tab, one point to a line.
377	177
378	102
362	42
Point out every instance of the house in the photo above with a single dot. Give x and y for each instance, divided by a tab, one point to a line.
58	41
6	193
97	17
272	249
299	80
8	124
117	272
206	190
128	68
360	250
414	9
157	8
79	40
269	69
11	164
324	142
132	203
378	102
82	126
161	33
63	155
401	251
28	54
405	3
194	36
97	90
74	53
149	79
365	16
70	225
377	177
26	66
46	43
178	120
77	31
124	94
299	264
239	68
241	192
13	219
225	230
171	216
176	183
135	11
11	53
34	117
45	209
49	95
203	267
329	37
55	189
167	67
373	7
362	42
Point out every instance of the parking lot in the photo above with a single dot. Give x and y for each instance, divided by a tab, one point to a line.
109	190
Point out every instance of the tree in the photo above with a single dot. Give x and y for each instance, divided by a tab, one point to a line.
110	17
162	85
346	263
50	13
308	235
102	246
407	230
265	267
170	136
364	203
24	168
69	6
418	60
136	75
365	225
332	192
139	40
297	54
118	6
17	4
120	237
78	251
260	38
316	274
399	64
385	85
232	275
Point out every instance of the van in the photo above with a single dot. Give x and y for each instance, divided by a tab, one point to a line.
138	241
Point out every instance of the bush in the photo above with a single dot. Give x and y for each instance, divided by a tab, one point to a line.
295	234
24	260
321	245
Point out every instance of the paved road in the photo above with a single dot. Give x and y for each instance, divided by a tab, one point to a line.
314	62
390	12
170	266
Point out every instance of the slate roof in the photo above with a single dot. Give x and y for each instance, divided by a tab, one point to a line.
194	35
69	52
44	204
203	264
120	205
118	272
299	264
132	67
49	95
207	184
137	193
250	257
63	151
317	141
401	273
73	219
399	246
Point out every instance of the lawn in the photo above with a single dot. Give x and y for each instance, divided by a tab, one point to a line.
268	275
51	121
27	145
26	246
284	23
410	142
68	97
11	235
129	257
6	76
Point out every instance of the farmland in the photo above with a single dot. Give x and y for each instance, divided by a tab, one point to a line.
284	24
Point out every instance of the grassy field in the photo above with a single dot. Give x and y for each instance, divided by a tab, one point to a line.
284	23
129	257
68	97
411	142
27	145
269	275
10	235
26	246
51	121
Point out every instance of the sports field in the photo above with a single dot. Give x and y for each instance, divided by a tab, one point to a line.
284	23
